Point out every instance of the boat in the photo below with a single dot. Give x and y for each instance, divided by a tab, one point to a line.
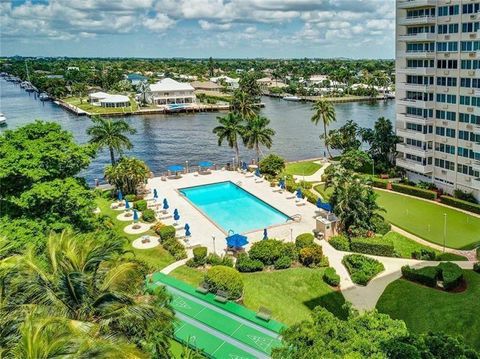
3	119
291	98
43	96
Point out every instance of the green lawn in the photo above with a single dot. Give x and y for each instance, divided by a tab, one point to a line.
325	193
306	168
426	309
425	219
157	257
290	294
86	106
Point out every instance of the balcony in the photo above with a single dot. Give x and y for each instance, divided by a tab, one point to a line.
420	136
422	54
424	36
417	20
414	150
414	166
423	71
415	87
410	4
420	120
416	103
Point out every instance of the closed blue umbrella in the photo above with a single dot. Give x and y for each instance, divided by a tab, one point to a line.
187	227
175	211
244	166
236	240
120	195
135	216
176	216
155	193
257	172
265	234
127	204
299	193
282	184
165	204
187	230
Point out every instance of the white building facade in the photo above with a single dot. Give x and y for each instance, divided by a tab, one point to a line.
171	92
438	92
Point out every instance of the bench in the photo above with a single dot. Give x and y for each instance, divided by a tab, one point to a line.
202	288
221	296
264	314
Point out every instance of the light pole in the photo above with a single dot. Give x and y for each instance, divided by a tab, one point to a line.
186	165
444	231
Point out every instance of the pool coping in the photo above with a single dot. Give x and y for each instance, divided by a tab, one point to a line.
179	192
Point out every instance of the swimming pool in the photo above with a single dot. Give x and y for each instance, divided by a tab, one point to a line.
231	207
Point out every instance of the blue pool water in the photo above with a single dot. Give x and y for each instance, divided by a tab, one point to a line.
231	207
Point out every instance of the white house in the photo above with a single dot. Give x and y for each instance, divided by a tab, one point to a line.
232	84
168	91
104	99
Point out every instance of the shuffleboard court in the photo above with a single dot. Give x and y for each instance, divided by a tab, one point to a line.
219	333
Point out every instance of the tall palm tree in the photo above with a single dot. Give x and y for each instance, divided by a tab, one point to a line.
244	105
230	130
144	90
325	112
111	134
127	174
258	133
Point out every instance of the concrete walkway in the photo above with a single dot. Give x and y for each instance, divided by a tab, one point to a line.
171	267
317	176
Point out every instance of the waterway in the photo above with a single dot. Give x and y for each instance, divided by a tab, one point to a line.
163	140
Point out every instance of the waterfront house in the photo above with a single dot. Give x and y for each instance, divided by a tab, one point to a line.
135	79
168	91
104	99
206	86
231	83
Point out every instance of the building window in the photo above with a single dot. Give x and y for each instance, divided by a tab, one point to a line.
471	8
470	26
467	46
448	10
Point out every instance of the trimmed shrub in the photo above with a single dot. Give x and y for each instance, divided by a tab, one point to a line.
458	203
414	191
476	267
304	240
266	251
426	276
451	274
282	263
448	257
331	277
361	268
140	205
225	279
246	264
130	197
424	254
379	183
272	165
311	197
340	243
215	260
175	248
380	225
200	254
379	246
311	256
289	250
148	215
166	233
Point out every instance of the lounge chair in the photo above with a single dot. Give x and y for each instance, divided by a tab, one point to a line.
258	180
202	288
302	202
290	195
264	314
221	296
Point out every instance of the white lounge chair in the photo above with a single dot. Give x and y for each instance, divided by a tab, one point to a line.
302	202
290	195
249	175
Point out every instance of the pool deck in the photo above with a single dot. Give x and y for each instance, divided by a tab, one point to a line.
202	228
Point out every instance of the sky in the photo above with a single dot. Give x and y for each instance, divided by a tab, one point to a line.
198	28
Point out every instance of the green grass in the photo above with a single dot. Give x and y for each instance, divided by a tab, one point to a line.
325	193
425	219
157	257
405	247
290	294
306	168
425	309
86	106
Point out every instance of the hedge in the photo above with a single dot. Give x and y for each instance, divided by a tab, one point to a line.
282	263
148	215
426	276
311	256
200	255
379	183
424	254
331	277
458	203
304	240
175	248
379	246
166	232
225	279
311	197
361	268
451	274
266	251
140	205
215	260
340	243
414	191
246	264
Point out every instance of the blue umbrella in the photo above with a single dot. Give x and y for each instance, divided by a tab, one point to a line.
175	211
120	195
135	215
205	164
265	234
187	230
244	166
127	205
187	227
175	168
299	193
165	204
176	216
257	172
236	240
319	203
155	193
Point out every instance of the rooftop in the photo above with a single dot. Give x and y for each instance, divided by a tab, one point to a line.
168	84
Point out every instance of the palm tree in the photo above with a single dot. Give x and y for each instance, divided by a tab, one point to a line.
258	133
244	105
111	134
85	293
325	112
144	90
127	174
230	129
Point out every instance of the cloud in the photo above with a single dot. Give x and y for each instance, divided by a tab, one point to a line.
206	25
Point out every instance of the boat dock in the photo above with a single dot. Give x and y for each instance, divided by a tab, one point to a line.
333	99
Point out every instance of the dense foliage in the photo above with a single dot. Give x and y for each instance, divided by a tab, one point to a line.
128	174
361	268
272	165
225	279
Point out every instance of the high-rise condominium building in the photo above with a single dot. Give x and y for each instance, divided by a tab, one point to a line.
438	92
